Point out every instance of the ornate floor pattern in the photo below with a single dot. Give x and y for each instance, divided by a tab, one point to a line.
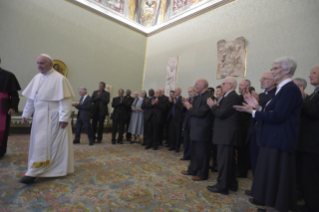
113	178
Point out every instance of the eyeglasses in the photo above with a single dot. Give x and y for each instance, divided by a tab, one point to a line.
275	68
264	79
224	83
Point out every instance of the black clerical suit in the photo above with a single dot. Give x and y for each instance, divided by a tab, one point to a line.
165	124
255	129
226	136
83	118
187	140
119	117
201	120
243	151
176	118
9	87
308	148
130	101
147	114
158	111
100	111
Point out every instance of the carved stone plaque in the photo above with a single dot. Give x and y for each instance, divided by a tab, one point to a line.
231	58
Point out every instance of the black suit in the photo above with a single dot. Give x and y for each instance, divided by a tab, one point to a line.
83	118
158	110
130	101
147	113
226	136
100	111
187	140
308	149
243	151
176	118
165	124
201	120
119	117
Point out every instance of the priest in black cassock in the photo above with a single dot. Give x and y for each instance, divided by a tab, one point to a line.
9	87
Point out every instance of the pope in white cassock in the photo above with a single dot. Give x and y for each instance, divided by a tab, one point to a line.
49	97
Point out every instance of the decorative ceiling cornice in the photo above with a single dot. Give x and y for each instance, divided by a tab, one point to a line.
200	9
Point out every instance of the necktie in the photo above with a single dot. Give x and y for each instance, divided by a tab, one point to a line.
81	101
312	95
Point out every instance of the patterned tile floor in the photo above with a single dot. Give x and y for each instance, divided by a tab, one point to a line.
113	178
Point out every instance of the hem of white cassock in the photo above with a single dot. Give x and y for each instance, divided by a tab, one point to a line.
48	176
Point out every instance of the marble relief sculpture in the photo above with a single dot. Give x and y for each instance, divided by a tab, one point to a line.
231	57
171	74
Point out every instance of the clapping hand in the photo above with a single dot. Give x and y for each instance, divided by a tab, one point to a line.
186	103
244	108
63	124
99	94
75	104
251	101
211	102
11	111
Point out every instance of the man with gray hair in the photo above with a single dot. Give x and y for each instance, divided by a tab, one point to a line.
302	84
49	99
84	116
226	136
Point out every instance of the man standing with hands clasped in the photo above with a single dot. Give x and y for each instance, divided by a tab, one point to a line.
100	99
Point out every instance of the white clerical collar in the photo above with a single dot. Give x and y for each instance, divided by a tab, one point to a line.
282	84
49	72
228	93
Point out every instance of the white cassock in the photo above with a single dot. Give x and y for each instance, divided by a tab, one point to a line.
51	149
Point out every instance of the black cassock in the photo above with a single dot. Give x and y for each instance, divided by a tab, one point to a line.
9	98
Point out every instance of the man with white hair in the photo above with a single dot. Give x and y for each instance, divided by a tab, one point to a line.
84	116
226	136
49	98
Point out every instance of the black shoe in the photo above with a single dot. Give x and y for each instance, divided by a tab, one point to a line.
233	188
113	142
256	202
76	141
261	210
248	192
184	159
216	190
171	148
155	148
120	142
214	169
91	144
239	175
27	180
99	141
147	147
167	145
176	150
143	144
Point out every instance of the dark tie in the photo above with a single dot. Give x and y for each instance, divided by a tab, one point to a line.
173	108
81	101
192	99
312	95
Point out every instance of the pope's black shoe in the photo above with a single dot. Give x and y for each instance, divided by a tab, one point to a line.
256	202
27	180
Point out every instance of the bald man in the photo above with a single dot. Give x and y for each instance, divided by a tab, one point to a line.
176	118
309	145
201	121
49	100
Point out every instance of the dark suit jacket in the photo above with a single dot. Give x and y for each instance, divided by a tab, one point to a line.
179	111
121	108
147	108
100	104
282	119
85	109
309	130
158	110
187	116
256	125
201	119
130	101
227	121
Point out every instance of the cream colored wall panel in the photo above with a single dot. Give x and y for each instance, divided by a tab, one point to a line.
93	48
271	28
